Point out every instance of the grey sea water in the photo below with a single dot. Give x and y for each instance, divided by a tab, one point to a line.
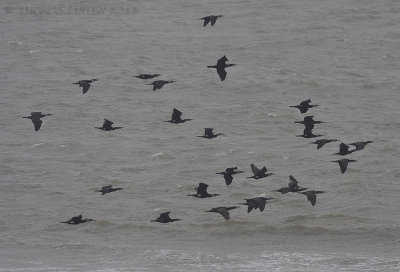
343	55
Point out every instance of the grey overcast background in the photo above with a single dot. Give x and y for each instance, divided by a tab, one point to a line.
344	55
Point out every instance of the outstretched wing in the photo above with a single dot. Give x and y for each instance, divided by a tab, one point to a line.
206	20
224	213
254	169
343	165
221	72
37	123
85	87
214	20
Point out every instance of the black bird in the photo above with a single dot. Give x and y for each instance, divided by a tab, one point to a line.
321	142
108	189
107	126
304	106
209	134
360	145
344	150
223	211
202	191
221	65
259	173
343	164
35	118
164	218
176	117
307	133
256	203
85	84
312	196
77	220
158	84
147	76
292	187
228	174
212	18
309	121
231	170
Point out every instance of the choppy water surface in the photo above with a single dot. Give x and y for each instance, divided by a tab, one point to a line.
344	55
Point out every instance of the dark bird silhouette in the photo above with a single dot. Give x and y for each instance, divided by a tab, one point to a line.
176	117
108	189
202	191
292	187
360	145
344	150
77	220
221	65
312	196
107	126
228	174
307	133
256	203
223	211
164	218
343	164
259	173
35	118
158	84
85	84
309	121
304	106
209	134
321	142
147	76
210	18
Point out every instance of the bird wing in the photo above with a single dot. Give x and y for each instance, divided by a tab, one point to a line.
107	123
228	178
206	20
343	165
165	216
221	72
224	213
321	143
254	169
214	20
293	181
37	123
85	87
261	203
312	198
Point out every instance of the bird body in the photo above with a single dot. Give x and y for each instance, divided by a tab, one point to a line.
256	203
308	121
292	187
228	174
107	126
321	142
304	106
108	189
77	220
224	211
259	173
85	84
343	164
35	118
176	117
360	145
202	191
209	134
221	65
158	84
147	76
210	18
312	196
164	218
344	150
